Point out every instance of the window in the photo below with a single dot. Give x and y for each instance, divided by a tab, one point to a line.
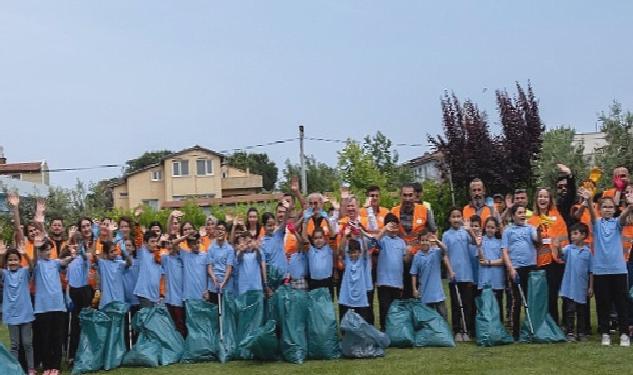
16	176
151	203
123	194
180	168
156	175
204	167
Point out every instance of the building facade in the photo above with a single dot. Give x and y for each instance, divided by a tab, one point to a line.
426	167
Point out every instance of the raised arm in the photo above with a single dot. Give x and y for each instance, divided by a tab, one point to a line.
14	203
296	193
586	196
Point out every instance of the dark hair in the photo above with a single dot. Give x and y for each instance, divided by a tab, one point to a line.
318	230
84	218
107	247
391	218
54	218
422	233
267	216
11	251
371	189
257	225
182	227
45	246
580	227
125	219
149	235
106	218
454	208
407	185
515	208
475	219
498	230
26	227
242	235
222	223
417	187
155	224
353	245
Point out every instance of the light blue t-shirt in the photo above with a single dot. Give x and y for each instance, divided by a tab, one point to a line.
16	299
77	272
148	282
48	287
111	276
576	276
297	266
249	272
220	257
608	257
458	243
194	281
427	267
130	275
518	239
273	250
354	286
320	262
494	276
390	261
173	271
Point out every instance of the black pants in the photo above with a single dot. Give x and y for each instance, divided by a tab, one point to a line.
467	293
575	312
386	295
50	326
82	298
611	290
524	274
362	311
554	273
370	300
325	283
499	297
407	290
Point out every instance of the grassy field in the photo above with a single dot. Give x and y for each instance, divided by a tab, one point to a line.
467	358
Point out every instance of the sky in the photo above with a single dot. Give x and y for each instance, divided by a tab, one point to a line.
90	83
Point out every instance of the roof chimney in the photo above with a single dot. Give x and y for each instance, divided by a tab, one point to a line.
3	160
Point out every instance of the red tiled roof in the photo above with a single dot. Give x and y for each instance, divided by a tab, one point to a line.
20	167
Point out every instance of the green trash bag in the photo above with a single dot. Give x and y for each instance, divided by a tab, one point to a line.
228	344
488	327
545	329
202	328
250	316
263	343
158	343
430	327
115	344
274	277
8	364
92	341
399	324
322	330
361	339
291	306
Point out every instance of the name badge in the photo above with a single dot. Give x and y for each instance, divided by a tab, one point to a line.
547	241
553	218
419	221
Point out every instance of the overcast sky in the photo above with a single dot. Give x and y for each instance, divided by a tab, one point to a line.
86	83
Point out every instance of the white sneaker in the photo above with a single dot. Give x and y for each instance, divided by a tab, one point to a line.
459	337
606	339
625	340
465	337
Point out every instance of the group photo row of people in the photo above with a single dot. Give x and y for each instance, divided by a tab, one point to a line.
364	255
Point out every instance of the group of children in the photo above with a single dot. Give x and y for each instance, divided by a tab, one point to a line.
352	251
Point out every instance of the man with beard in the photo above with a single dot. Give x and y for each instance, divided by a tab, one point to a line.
477	205
414	218
565	193
56	233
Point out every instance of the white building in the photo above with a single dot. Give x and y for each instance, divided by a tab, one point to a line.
592	143
426	167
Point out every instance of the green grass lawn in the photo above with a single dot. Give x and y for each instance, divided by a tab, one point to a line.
466	358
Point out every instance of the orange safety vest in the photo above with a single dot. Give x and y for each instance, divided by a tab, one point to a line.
552	233
609	193
310	227
291	245
380	217
420	216
470	211
627	240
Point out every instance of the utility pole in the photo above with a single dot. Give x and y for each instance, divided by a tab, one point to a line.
304	177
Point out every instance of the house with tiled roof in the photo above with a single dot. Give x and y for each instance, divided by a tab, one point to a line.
34	171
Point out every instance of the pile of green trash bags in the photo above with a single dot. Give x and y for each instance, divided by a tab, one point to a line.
263	343
411	323
158	343
543	328
102	340
361	339
489	329
9	365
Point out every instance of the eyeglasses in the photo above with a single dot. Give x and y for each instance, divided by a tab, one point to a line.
407	195
374	195
316	203
561	186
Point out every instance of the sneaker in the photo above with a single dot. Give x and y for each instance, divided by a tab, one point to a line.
606	339
32	371
571	337
625	340
465	337
459	337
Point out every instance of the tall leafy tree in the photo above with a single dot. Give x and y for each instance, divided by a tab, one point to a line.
617	126
358	168
256	163
558	147
386	160
148	158
320	176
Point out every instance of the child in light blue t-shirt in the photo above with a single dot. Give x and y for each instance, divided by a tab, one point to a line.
426	272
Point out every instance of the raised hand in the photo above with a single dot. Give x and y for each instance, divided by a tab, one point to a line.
13	199
203	232
562	168
112	226
294	183
40	205
344	192
138	211
178	214
3	248
509	200
71	231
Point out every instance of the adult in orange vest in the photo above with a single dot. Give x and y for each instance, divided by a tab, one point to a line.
565	193
554	237
314	216
372	216
620	182
477	205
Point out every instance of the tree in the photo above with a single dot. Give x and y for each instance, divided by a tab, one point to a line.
617	127
148	158
558	148
359	169
386	160
320	176
256	163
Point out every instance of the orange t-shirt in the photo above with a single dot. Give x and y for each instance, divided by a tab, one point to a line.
553	232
